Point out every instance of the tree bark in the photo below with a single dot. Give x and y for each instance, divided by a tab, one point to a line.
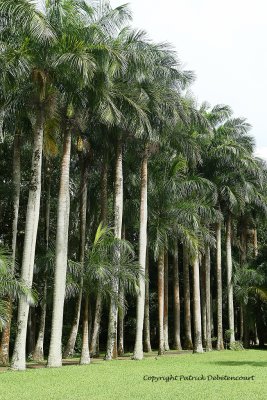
229	265
31	225
203	301
255	242
208	299
4	353
220	345
104	220
138	349
85	355
176	300
121	323
38	354
118	211
197	310
55	354
84	163
188	345
161	301
166	302
69	349
147	343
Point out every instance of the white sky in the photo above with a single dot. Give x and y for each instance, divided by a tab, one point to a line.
224	43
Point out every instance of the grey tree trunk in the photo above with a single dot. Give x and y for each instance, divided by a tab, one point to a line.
31	226
16	178
188	345
104	219
55	353
138	349
208	299
229	265
121	323
220	345
197	310
176	301
161	301
147	343
96	327
69	349
84	164
38	354
166	302
203	301
118	211
85	354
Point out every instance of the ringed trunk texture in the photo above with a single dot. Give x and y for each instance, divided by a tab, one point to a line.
16	178
188	345
176	301
147	343
31	226
166	302
161	301
55	354
208	299
229	265
197	310
220	345
138	348
118	211
85	354
255	242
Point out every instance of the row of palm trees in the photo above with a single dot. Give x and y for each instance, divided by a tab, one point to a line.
136	153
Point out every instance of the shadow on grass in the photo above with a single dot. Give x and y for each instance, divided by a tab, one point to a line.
239	363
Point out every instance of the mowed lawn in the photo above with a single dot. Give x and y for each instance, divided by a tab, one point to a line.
124	379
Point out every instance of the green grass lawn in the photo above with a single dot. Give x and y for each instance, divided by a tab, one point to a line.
124	379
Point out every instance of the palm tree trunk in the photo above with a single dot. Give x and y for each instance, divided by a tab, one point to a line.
55	354
197	310
118	211
104	219
31	226
161	301
203	302
96	327
84	161
121	324
85	354
4	353
220	345
38	354
229	265
138	348
188	345
166	302
69	349
208	299
147	343
176	300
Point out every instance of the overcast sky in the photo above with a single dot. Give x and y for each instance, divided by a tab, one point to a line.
224	43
